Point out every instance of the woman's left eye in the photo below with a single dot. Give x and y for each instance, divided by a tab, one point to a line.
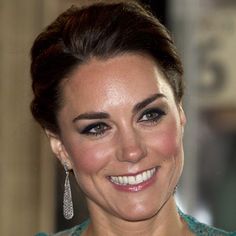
151	115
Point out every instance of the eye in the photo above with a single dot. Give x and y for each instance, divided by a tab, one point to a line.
95	129
152	115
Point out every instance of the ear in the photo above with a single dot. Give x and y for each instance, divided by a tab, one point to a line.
183	119
58	149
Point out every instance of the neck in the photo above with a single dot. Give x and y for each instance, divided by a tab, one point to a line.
159	224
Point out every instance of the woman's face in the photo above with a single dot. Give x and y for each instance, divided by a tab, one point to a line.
121	131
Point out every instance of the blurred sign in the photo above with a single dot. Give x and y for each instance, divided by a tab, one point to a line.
216	44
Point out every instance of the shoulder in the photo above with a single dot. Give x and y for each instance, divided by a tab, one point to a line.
75	231
201	229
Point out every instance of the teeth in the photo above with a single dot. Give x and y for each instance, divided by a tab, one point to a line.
145	176
133	180
125	180
139	178
120	180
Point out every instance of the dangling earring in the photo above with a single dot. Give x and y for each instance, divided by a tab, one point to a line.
68	210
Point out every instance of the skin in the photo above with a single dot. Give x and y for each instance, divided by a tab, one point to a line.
125	140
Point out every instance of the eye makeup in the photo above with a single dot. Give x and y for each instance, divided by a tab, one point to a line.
151	115
96	129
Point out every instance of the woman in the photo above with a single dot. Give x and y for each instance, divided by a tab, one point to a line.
107	85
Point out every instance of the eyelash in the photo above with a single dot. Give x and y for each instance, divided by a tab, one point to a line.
157	112
88	130
103	127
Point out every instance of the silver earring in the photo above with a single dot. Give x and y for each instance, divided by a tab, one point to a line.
175	189
68	210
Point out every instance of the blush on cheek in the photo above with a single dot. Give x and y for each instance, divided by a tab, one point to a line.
168	142
89	160
171	146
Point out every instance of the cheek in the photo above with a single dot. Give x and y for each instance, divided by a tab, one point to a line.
168	141
88	158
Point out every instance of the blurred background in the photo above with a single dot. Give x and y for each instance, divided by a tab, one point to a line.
31	180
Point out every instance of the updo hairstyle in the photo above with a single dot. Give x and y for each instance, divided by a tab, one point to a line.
103	31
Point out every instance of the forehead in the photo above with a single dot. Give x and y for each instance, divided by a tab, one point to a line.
121	78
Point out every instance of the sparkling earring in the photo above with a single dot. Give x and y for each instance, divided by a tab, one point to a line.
68	210
175	189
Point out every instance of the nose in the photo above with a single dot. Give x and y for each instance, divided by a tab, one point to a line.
131	147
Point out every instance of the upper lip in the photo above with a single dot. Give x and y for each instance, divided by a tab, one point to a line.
136	173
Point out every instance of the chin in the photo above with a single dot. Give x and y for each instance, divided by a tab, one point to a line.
139	214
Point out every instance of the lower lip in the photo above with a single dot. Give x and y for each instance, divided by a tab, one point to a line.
137	187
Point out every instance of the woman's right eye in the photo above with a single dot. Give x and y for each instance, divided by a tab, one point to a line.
95	129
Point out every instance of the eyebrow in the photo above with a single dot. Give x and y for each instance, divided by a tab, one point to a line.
103	115
91	116
139	106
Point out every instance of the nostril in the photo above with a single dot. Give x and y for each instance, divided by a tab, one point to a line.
133	153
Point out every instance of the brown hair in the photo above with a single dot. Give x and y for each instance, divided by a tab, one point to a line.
100	30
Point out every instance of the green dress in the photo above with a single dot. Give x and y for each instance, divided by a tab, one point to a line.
199	229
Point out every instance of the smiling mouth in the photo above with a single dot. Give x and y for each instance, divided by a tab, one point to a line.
134	179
